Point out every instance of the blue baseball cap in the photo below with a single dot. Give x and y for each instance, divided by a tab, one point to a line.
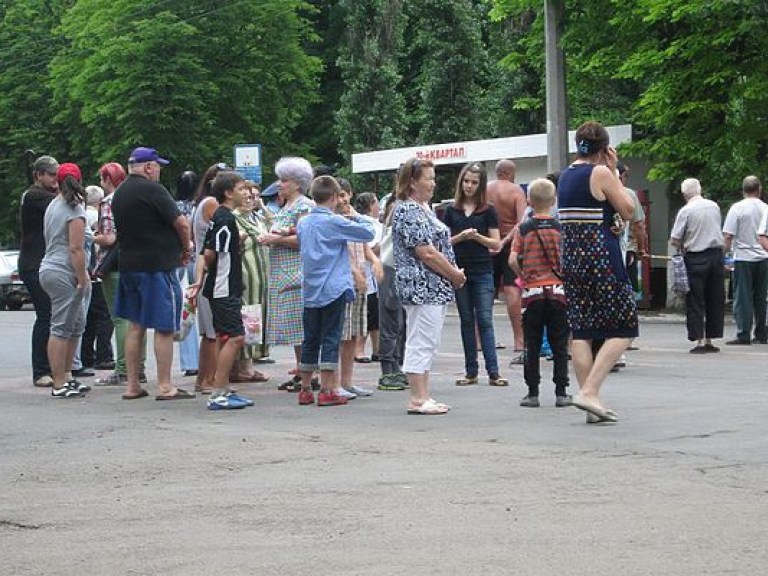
142	154
270	190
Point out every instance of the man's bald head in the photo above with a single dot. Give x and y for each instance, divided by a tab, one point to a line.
506	170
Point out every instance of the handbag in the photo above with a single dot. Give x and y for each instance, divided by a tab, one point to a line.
251	314
680	283
107	264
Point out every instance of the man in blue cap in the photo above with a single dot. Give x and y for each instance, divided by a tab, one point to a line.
153	241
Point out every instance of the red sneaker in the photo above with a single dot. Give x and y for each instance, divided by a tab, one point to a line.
306	397
330	399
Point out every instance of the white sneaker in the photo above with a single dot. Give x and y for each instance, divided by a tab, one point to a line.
344	393
360	391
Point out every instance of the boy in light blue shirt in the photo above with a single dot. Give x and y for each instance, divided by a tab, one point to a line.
327	287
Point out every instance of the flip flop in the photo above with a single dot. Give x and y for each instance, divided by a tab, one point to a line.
428	408
592	419
142	394
180	394
592	408
257	376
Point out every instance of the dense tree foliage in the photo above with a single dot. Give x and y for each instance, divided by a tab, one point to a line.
691	75
86	80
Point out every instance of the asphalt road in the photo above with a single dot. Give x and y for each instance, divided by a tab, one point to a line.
678	487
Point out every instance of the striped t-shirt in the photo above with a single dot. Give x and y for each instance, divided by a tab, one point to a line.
538	253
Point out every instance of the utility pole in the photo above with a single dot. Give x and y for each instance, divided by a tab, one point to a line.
557	128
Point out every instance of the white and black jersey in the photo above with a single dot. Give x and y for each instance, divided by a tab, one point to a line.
225	276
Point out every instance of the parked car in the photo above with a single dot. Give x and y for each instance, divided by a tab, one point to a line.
13	292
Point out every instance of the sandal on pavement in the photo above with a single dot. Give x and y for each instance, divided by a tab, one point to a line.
243	378
441	404
180	394
428	408
603	413
592	419
498	381
142	394
466	381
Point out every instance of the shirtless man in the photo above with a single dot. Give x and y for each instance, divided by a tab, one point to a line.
510	203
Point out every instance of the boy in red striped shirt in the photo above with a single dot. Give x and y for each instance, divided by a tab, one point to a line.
535	258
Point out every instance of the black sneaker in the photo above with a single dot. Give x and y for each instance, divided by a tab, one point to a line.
66	391
79	386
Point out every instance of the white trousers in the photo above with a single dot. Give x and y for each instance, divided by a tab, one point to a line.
424	331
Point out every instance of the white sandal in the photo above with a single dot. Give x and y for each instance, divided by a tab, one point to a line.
429	408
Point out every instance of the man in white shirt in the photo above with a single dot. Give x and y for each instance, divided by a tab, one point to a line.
750	273
697	234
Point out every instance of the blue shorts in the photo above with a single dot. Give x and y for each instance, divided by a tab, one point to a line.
150	299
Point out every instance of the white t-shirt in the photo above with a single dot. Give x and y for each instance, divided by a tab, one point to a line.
742	222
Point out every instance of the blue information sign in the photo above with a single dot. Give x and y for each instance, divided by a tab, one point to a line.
248	161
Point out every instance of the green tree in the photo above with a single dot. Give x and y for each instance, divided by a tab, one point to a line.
191	78
690	75
371	112
445	69
28	43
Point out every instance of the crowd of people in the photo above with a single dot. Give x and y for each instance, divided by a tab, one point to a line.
308	264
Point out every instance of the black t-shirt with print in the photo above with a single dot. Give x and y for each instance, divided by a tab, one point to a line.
225	276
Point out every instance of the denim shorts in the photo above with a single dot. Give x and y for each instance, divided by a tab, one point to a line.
150	299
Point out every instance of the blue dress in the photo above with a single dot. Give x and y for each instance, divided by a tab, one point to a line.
601	303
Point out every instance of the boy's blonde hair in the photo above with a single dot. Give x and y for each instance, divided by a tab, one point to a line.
541	194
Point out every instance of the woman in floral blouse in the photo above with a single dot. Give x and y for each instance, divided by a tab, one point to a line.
425	277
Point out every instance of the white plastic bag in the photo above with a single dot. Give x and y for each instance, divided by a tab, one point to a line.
251	314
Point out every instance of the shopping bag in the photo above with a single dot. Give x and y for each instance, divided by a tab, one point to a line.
251	314
188	315
679	275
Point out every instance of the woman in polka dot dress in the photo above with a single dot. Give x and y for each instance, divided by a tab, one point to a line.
601	306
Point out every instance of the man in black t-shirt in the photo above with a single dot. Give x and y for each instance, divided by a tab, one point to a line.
33	204
153	239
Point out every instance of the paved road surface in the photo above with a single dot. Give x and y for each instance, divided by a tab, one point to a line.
107	487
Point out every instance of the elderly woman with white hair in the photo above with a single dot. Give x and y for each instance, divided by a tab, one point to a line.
697	233
284	301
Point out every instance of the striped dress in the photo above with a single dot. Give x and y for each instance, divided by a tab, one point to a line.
255	273
284	303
